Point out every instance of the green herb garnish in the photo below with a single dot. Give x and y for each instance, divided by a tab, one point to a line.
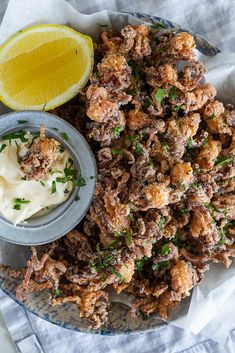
133	138
160	94
116	131
64	136
212	116
116	151
57	292
165	249
161	265
177	108
77	198
162	222
172	93
18	202
53	187
138	149
190	142
205	142
223	161
118	274
2	147
139	264
42	183
16	135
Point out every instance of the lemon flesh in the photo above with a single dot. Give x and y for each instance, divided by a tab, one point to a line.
44	66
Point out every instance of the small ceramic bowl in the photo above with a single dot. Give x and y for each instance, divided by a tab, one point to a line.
65	216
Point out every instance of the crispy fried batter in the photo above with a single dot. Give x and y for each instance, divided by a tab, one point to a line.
42	154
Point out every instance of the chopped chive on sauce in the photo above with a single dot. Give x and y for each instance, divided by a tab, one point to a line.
2	147
16	135
53	187
18	202
42	183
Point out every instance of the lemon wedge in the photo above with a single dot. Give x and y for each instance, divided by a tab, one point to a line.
44	66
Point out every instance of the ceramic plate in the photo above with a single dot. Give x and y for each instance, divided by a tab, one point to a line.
67	316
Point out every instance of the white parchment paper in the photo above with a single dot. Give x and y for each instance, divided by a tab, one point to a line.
213	301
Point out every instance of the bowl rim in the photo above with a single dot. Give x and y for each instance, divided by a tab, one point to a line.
207	48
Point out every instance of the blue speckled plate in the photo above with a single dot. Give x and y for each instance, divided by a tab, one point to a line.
66	315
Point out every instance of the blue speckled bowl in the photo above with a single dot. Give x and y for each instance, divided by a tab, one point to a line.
66	316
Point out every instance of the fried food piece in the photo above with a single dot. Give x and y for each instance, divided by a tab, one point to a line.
93	307
184	277
202	226
114	73
182	174
182	45
40	157
214	117
208	154
137	119
157	195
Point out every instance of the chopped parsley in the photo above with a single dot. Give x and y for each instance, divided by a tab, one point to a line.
162	222
53	187
190	142
182	212
77	198
164	146
139	264
157	25
161	265
79	182
165	249
138	149
172	93
131	217
223	161
213	208
42	183
118	274
205	142
147	102
64	136
16	135
160	94
133	138
18	202
212	116
22	121
177	108
116	151
55	128
116	131
57	292
2	147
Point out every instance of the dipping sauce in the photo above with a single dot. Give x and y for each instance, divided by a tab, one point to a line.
36	175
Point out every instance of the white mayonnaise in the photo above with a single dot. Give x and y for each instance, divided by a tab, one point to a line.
37	194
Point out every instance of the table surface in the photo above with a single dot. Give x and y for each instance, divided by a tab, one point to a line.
5	338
